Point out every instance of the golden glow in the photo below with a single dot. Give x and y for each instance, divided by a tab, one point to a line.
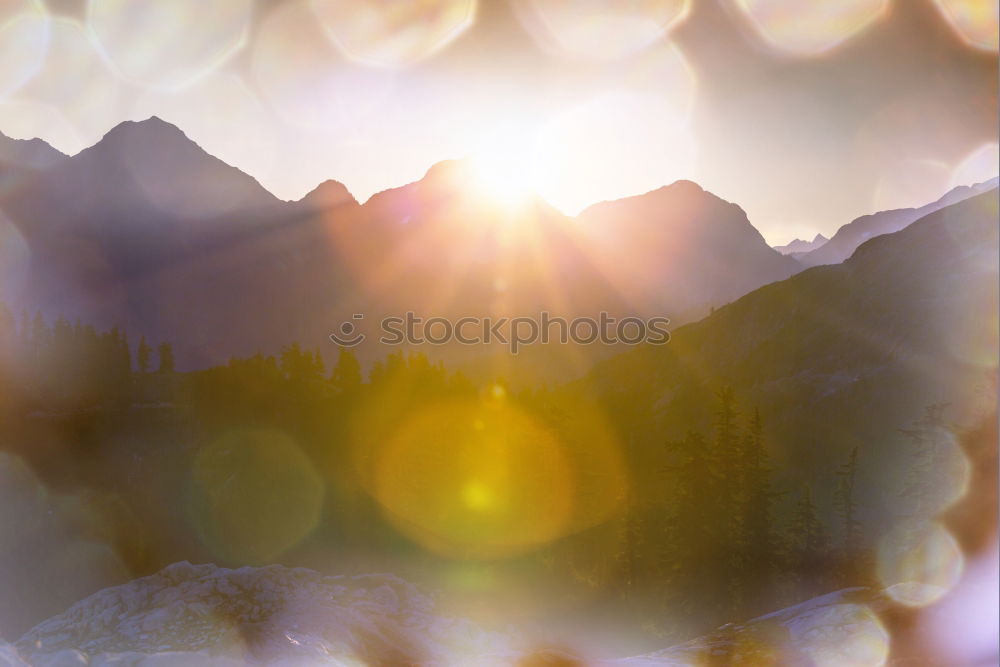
503	174
919	562
393	33
811	28
485	479
975	21
476	493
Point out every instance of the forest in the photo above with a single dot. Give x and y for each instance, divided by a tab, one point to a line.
304	459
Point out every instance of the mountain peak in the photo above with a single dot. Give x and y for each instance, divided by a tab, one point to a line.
328	194
30	153
801	245
152	127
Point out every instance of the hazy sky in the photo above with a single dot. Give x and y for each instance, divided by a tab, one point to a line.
805	114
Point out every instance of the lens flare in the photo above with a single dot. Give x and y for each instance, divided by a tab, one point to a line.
911	183
975	21
24	40
393	33
599	29
304	78
26	119
978	166
810	28
168	43
631	139
75	80
474	492
485	478
844	635
919	562
254	496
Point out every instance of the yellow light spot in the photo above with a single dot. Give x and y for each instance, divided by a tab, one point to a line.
478	496
498	392
485	480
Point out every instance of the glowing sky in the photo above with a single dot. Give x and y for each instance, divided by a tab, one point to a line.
805	114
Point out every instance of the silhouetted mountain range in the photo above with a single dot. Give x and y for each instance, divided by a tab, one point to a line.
800	246
147	231
853	234
836	356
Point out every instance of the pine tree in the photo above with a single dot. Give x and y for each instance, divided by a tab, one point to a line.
726	461
143	354
166	354
346	375
846	505
807	548
754	541
937	461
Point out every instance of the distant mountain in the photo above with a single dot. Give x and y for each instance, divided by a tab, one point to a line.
836	356
800	246
147	231
853	234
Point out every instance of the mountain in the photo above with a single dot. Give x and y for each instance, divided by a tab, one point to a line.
146	231
853	234
681	247
800	246
834	357
27	154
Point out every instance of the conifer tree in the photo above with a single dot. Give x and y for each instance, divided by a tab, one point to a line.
143	353
346	375
846	505
166	354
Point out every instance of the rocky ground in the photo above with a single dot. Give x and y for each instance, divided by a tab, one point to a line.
207	615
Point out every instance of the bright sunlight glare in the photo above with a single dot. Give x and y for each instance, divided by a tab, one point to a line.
503	172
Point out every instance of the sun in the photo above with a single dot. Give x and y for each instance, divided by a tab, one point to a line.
503	172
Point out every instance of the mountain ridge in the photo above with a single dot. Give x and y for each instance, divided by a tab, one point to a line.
851	235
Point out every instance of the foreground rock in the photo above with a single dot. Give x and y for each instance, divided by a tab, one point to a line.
841	628
206	615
